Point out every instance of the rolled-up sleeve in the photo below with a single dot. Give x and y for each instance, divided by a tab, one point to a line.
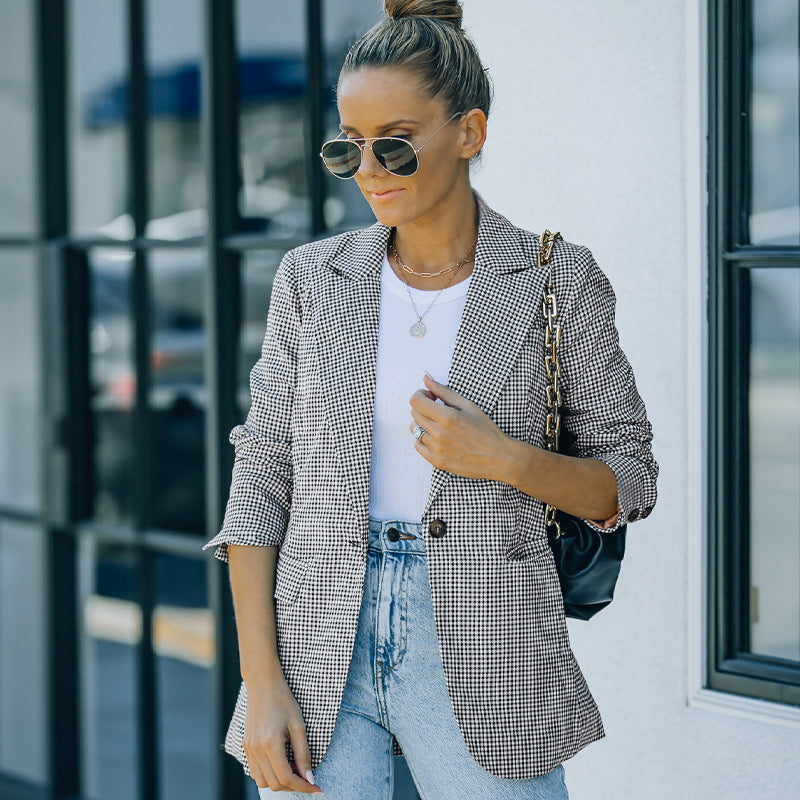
603	416
257	511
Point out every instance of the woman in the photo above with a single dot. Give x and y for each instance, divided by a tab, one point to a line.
390	479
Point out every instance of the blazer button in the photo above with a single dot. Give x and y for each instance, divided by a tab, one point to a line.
633	515
393	535
437	529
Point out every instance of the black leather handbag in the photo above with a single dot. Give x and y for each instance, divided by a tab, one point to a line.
587	559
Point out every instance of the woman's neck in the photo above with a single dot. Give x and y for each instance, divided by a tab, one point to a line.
436	242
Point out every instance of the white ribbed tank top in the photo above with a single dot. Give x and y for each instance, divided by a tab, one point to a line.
400	477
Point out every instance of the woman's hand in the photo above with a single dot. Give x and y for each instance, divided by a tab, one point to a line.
459	437
273	717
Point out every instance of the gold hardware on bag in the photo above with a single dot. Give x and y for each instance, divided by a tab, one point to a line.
551	363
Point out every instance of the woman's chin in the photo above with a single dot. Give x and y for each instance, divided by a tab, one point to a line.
387	217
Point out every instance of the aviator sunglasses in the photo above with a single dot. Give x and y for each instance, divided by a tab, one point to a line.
398	156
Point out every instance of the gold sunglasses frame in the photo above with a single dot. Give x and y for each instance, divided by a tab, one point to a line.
368	142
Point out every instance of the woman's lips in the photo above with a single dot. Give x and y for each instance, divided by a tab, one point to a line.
382	195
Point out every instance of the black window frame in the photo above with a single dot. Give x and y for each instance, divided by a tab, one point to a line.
731	667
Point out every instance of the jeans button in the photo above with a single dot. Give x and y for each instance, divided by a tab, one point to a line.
393	535
437	529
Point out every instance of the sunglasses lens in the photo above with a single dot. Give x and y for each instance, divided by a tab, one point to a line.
395	156
342	158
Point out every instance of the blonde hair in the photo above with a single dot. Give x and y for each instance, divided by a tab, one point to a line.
426	37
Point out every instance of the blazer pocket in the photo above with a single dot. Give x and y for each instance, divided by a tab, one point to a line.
529	550
289	576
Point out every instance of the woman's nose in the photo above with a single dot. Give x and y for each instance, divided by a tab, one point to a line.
369	164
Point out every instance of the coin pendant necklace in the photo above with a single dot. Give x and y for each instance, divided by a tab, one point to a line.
418	328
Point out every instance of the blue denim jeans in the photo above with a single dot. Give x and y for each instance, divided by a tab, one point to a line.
396	685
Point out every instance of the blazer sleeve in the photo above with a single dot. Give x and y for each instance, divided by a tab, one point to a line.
603	416
257	511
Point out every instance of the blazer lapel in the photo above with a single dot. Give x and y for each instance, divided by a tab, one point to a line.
347	346
503	301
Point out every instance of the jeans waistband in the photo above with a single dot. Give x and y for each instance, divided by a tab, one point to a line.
397	536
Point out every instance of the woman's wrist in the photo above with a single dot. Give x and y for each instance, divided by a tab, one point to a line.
585	487
264	673
518	462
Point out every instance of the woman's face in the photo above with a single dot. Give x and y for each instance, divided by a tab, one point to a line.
388	101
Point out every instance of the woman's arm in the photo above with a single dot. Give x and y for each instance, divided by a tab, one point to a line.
273	715
258	505
255	522
603	416
583	487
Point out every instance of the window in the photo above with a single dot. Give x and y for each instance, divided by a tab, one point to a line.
754	335
25	704
17	112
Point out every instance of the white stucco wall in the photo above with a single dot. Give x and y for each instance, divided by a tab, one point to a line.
598	130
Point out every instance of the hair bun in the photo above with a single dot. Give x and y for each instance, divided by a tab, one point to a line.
445	10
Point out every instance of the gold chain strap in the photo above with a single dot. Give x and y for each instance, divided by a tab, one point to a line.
551	363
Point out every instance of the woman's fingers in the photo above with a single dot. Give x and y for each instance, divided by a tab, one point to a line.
425	403
270	767
445	393
272	782
257	774
441	418
260	769
302	755
429	423
287	780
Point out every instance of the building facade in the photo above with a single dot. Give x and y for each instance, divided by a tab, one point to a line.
157	160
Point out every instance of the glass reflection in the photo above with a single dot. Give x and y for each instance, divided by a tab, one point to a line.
19	381
98	117
177	180
775	462
258	271
177	394
775	123
110	632
23	708
345	206
17	121
272	133
112	378
183	640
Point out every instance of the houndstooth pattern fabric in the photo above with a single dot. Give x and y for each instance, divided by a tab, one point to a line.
301	482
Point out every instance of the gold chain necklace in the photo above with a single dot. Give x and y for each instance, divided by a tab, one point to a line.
418	329
410	271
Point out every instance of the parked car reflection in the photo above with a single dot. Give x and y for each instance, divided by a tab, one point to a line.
177	393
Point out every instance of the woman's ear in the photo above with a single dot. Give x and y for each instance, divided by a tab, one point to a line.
473	127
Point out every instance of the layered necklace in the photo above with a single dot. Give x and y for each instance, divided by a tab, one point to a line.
418	329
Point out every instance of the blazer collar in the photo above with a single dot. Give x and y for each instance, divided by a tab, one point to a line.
501	247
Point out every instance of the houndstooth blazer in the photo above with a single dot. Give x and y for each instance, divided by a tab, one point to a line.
301	482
